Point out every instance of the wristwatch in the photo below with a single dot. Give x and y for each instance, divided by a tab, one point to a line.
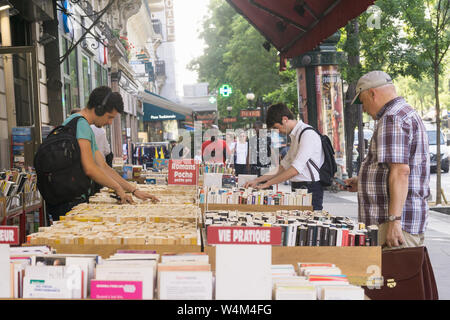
392	218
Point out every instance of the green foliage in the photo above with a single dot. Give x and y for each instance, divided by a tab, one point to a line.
234	54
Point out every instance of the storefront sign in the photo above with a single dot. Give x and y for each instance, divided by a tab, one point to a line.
170	21
183	172
229	120
250	113
206	117
9	235
244	235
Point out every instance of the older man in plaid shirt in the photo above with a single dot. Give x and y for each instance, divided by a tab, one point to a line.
393	182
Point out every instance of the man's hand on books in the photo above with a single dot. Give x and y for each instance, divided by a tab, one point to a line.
263	186
251	184
123	197
145	196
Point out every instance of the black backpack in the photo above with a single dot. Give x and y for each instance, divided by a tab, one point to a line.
329	167
60	176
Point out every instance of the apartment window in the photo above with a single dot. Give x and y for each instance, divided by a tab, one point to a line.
71	82
105	76
86	67
98	75
67	97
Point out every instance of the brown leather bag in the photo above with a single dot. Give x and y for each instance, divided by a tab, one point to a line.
407	275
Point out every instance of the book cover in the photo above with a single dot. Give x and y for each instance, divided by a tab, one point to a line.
128	272
301	292
5	272
342	293
333	235
185	285
345	237
339	237
116	290
325	236
319	235
312	230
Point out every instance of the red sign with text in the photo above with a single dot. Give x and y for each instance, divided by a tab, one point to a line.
244	235
250	113
183	172
9	235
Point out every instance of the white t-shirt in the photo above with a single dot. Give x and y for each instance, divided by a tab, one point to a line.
241	152
310	147
101	140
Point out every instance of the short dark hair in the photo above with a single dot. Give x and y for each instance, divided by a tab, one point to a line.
114	100
275	114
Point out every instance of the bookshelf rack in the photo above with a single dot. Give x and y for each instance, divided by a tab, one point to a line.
18	206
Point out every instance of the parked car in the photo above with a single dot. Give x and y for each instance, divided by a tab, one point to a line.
433	147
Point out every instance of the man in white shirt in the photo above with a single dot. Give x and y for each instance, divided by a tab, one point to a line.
102	143
296	164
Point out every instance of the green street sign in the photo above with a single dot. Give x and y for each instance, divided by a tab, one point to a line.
225	90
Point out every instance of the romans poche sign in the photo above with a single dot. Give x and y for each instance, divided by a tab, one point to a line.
9	235
183	172
244	235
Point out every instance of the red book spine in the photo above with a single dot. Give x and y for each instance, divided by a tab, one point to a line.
345	238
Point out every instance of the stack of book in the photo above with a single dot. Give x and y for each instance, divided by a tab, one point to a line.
132	212
126	275
214	195
313	281
185	276
48	275
165	195
89	224
301	228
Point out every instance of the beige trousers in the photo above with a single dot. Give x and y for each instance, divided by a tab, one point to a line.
411	240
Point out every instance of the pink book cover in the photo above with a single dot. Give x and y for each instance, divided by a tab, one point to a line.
116	290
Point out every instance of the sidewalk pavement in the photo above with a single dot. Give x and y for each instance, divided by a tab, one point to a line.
437	235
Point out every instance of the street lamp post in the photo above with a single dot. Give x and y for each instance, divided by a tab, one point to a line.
250	97
229	109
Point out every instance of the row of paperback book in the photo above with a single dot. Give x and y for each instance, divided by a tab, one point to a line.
39	273
213	195
215	168
301	228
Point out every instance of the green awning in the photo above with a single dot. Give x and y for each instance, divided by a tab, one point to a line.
155	113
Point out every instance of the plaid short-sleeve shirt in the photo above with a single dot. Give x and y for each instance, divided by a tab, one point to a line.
399	137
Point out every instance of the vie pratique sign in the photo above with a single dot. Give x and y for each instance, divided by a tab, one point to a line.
244	235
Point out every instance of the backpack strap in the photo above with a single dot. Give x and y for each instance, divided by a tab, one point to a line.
74	122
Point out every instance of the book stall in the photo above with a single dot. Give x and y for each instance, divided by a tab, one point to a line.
20	202
200	242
